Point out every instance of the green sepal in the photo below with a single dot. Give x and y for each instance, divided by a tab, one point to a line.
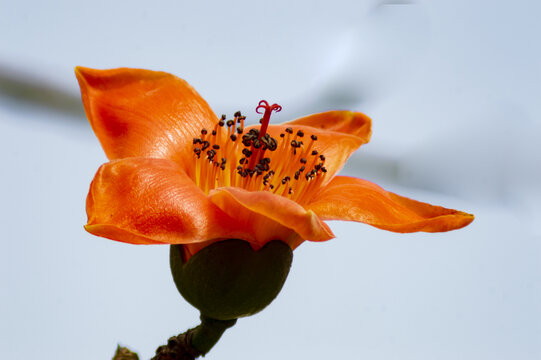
228	279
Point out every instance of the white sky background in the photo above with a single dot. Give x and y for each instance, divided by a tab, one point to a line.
453	88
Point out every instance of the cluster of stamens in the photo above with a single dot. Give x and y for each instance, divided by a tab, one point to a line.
255	161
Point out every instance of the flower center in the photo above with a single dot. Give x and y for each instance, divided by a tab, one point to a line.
255	161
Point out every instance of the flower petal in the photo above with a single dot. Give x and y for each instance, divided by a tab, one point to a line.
148	201
347	198
347	122
269	217
142	113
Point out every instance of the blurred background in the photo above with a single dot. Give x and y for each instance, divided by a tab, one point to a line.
453	88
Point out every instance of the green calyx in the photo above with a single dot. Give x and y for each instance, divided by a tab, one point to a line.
228	279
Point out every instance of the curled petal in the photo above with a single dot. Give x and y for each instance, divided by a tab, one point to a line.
142	113
347	122
269	217
149	201
347	198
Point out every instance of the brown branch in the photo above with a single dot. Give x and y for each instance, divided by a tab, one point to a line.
178	348
186	346
123	353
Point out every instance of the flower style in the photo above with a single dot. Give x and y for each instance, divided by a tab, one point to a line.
178	174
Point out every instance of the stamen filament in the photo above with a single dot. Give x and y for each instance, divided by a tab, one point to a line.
255	161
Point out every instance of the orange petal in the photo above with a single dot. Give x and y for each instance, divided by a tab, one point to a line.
347	198
149	201
336	146
347	122
142	113
269	217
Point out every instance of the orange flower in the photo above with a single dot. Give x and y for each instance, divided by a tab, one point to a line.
178	174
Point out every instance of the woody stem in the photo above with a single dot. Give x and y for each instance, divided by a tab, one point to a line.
209	332
194	342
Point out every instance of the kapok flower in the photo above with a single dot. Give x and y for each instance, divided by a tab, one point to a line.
178	174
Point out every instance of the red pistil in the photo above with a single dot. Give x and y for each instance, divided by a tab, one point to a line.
266	116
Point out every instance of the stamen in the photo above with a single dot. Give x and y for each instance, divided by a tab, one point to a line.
256	161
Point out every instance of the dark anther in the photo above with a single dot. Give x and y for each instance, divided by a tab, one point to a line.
197	141
297	175
300	133
289	130
221	123
206	144
230	123
314	152
223	117
214	132
302	168
204	131
322	157
241	161
272	186
237	114
296	144
222	166
274	144
282	135
323	169
303	161
216	146
271	142
313	137
233	137
240	130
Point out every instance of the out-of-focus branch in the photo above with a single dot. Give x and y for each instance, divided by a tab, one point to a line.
25	88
